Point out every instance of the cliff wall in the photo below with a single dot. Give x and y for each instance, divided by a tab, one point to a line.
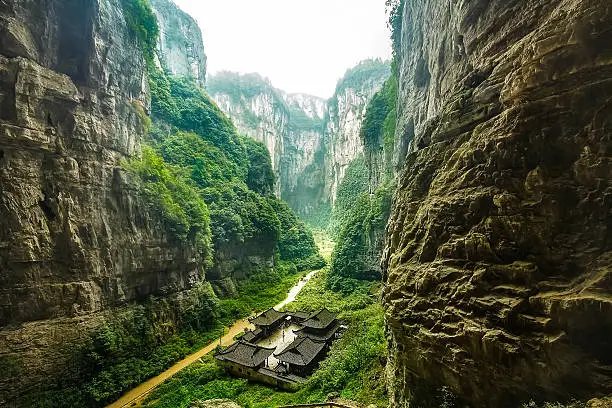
77	237
498	258
180	47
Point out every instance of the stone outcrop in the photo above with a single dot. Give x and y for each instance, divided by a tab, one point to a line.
180	48
498	263
258	111
77	237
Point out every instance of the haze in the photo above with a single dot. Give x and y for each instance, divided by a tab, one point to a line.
302	46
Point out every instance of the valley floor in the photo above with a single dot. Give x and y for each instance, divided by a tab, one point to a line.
136	395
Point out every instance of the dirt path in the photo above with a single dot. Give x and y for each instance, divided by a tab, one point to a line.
133	397
136	395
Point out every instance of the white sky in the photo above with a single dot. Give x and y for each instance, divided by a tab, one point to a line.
301	45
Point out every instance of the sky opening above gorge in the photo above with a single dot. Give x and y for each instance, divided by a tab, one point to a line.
300	45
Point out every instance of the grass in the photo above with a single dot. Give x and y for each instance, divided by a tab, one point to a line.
353	370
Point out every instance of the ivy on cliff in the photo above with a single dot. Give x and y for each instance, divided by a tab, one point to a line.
142	23
353	185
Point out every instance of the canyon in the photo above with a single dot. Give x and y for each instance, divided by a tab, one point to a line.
469	182
312	141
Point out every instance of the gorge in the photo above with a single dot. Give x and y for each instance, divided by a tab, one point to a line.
146	204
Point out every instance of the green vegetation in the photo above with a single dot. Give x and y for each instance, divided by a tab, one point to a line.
211	188
360	76
260	177
378	128
353	369
264	289
296	242
353	185
131	347
238	86
142	23
395	9
175	199
358	240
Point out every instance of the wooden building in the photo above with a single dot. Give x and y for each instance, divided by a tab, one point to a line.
244	359
322	326
269	321
301	357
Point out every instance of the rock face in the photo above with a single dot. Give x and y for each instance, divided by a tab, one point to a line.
180	47
346	111
257	109
76	236
311	141
499	253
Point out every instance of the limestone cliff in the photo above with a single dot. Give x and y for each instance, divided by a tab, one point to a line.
346	111
257	109
290	125
77	237
499	253
311	141
180	47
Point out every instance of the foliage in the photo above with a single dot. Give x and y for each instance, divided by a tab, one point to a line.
350	258
395	9
264	289
300	122
208	166
354	368
142	23
239	215
131	347
296	242
174	199
353	185
260	177
238	86
362	75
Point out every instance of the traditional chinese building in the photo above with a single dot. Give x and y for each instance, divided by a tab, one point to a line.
269	321
301	357
320	326
244	359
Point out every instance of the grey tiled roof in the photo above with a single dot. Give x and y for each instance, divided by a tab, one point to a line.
318	335
298	315
245	353
251	335
320	320
268	317
301	352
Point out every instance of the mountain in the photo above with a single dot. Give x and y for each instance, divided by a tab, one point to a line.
311	141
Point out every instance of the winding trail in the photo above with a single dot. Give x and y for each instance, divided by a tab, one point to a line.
136	395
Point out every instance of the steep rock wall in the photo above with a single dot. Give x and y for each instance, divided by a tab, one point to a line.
77	238
499	256
346	111
180	46
263	118
290	125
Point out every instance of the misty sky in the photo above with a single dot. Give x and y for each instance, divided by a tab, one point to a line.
301	45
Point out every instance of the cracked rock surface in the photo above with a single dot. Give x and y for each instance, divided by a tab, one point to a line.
498	262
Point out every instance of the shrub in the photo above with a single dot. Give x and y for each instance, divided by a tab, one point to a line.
142	23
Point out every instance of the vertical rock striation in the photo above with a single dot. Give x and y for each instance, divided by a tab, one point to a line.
180	47
311	141
346	111
499	252
77	237
257	109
